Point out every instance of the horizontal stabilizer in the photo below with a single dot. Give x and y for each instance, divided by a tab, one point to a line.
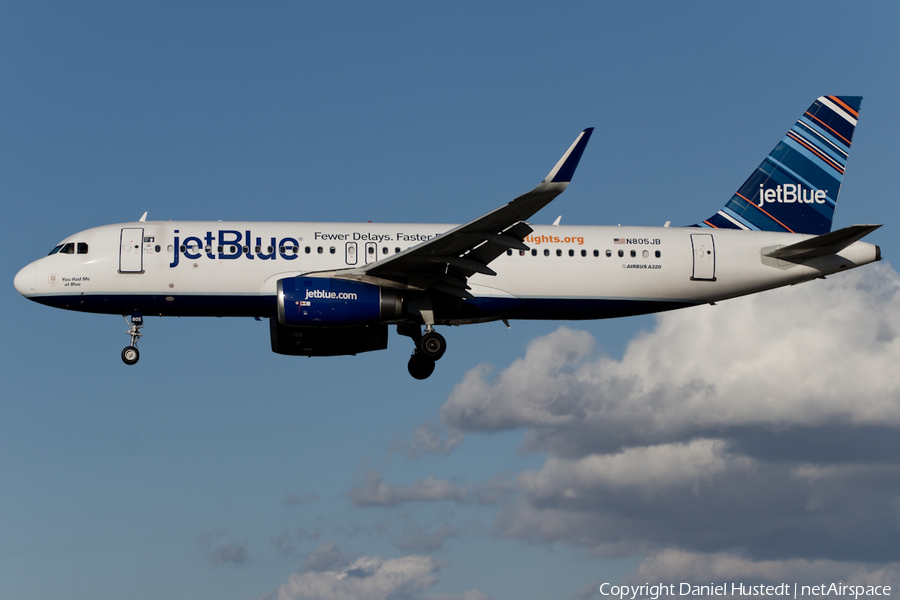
821	245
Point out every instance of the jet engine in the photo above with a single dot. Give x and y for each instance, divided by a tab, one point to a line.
329	302
322	316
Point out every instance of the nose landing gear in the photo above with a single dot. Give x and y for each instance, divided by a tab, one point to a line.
130	354
430	347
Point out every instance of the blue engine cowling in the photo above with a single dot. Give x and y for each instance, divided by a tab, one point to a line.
325	301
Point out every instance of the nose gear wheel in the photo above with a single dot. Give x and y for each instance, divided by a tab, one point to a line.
130	354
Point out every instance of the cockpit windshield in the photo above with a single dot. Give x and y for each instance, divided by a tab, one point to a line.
70	248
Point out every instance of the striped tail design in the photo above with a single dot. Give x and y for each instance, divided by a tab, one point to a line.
796	187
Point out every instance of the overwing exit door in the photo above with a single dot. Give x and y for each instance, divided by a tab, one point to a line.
371	252
350	253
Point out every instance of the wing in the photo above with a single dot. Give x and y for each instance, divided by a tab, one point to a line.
445	263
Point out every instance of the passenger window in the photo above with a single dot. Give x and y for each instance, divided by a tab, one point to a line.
521	253
320	249
82	248
396	250
633	253
559	252
384	250
371	250
658	254
546	251
584	252
308	250
621	253
534	252
645	253
608	253
158	248
571	253
509	252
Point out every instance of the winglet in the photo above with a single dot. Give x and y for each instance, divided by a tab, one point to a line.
565	168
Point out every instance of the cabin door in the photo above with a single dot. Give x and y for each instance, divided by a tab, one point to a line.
704	257
131	255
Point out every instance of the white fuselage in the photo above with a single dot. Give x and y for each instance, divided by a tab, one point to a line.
214	268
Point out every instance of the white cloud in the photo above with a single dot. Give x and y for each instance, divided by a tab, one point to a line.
228	553
428	439
813	354
537	390
327	557
366	578
375	492
653	469
766	426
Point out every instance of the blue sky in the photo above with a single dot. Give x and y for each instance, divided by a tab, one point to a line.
216	469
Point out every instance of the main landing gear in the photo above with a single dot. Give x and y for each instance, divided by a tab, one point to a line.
130	354
430	347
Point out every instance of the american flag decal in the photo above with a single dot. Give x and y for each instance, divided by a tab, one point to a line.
618	240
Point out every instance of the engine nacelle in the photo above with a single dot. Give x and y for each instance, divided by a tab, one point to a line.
329	302
326	341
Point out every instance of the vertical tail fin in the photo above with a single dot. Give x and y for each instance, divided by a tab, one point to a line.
796	187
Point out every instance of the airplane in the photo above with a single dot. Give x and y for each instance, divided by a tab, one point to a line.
331	289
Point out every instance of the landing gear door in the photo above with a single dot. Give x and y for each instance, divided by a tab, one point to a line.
704	257
131	255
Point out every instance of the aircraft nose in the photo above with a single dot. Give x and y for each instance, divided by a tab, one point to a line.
24	281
